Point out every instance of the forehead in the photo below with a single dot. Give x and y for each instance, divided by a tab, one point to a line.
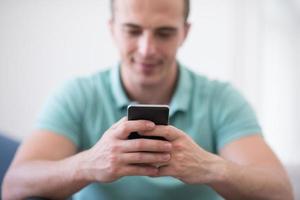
149	13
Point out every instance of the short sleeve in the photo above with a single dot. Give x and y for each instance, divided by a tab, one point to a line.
233	117
62	112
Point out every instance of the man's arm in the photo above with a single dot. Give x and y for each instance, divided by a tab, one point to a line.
246	169
43	164
47	165
252	171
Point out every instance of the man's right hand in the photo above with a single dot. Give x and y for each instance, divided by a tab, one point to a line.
53	161
114	156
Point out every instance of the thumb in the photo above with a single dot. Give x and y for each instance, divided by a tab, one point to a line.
115	125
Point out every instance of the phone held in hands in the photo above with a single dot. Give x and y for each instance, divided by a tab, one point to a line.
158	114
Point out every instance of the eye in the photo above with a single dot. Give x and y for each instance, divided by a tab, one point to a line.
165	34
133	32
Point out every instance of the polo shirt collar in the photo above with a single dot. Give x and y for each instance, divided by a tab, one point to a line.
119	94
179	101
181	98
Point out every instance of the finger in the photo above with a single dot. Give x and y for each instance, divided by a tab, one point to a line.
139	170
149	145
123	119
145	157
166	170
170	133
126	127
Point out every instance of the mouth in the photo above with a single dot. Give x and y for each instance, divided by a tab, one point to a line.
146	67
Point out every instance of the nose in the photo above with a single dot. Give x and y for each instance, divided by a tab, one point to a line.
146	45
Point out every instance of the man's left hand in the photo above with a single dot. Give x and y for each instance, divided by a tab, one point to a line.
189	162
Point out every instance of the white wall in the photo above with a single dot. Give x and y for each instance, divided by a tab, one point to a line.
252	43
280	110
44	42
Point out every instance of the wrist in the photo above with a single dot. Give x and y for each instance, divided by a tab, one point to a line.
219	171
79	169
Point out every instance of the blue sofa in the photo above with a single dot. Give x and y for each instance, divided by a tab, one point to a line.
8	149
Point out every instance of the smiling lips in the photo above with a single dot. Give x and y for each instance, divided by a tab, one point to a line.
146	66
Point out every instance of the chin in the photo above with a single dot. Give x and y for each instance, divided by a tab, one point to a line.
149	81
146	76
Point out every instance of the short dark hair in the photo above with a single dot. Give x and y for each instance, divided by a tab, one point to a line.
186	8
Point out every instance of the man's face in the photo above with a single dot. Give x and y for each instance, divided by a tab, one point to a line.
148	34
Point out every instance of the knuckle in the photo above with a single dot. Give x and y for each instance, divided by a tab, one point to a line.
161	147
115	148
168	131
123	128
177	170
113	160
139	144
113	170
178	146
140	156
180	157
114	126
145	171
165	145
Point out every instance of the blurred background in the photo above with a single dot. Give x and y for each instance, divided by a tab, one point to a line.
255	44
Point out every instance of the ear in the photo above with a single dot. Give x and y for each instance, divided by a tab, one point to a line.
187	27
110	25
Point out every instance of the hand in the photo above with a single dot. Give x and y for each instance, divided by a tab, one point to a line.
189	162
114	156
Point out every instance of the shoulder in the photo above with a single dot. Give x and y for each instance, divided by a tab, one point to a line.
84	85
205	86
215	95
77	93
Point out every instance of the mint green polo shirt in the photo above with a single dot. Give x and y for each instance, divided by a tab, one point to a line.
211	112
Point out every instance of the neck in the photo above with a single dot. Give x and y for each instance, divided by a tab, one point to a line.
159	93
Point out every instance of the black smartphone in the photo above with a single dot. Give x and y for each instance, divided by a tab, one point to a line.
158	114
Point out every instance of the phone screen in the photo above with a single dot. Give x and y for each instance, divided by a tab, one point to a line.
158	114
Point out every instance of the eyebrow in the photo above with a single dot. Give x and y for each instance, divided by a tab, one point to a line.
162	28
130	25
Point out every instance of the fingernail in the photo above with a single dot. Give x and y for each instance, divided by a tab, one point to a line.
150	124
166	157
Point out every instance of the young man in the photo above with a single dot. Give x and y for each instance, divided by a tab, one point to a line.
214	145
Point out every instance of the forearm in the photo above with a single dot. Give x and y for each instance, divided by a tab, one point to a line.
50	179
250	182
